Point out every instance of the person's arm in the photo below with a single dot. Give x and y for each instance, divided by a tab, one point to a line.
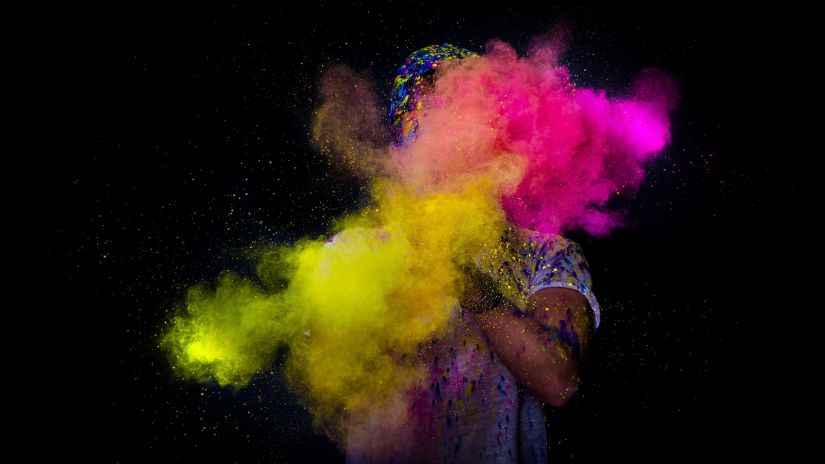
541	347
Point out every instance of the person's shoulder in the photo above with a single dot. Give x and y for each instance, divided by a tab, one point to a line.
548	243
560	262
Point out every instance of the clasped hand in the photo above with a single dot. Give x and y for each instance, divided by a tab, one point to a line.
481	292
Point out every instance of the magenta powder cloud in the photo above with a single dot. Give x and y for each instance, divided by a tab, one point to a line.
558	151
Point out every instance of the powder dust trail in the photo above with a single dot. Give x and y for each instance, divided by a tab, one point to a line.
348	126
476	141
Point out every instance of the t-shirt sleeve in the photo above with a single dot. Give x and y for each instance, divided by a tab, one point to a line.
564	265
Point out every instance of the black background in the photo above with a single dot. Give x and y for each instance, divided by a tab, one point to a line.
178	138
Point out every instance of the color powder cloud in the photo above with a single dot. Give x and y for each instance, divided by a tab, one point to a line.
486	140
578	147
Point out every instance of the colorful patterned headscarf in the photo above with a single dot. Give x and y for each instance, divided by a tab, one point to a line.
412	80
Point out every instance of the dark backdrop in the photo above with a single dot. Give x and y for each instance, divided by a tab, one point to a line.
181	138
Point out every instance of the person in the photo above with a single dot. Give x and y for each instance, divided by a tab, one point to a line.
515	341
504	356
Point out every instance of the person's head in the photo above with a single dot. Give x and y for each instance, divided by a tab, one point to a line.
412	82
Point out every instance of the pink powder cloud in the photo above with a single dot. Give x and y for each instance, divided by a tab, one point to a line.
558	151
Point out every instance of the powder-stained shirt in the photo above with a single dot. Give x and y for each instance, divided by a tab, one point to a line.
471	408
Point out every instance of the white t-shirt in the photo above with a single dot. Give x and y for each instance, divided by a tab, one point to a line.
471	408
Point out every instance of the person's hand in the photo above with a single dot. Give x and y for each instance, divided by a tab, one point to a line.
481	293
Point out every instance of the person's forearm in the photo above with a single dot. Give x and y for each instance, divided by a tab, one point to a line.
543	363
